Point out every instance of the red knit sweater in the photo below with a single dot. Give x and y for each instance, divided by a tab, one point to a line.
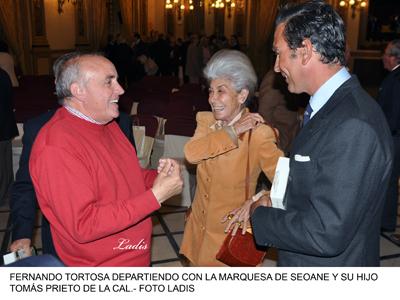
92	190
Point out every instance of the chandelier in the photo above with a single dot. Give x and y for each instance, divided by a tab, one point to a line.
222	4
354	5
180	6
61	3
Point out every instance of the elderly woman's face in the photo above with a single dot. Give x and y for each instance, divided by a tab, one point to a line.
225	102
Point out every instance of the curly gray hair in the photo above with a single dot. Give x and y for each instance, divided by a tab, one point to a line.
234	66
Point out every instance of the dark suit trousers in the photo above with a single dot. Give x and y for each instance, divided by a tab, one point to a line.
389	216
6	170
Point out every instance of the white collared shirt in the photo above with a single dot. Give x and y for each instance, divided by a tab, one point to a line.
322	95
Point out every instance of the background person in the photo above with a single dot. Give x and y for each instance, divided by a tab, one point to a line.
7	63
219	148
279	108
8	130
389	100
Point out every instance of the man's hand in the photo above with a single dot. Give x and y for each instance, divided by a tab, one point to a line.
169	181
24	244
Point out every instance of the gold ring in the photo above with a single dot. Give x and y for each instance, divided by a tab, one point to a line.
230	216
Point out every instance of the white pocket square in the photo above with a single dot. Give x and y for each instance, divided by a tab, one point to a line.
301	158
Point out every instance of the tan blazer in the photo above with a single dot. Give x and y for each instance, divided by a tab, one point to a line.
221	171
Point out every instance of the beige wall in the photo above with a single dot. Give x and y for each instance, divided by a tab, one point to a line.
60	28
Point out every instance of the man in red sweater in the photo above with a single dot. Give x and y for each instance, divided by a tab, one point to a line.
89	185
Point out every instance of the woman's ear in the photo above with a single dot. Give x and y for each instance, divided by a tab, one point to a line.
306	51
244	93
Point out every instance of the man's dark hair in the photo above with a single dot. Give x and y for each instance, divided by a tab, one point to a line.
320	23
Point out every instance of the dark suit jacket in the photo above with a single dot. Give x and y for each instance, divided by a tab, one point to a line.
8	125
389	100
23	199
334	200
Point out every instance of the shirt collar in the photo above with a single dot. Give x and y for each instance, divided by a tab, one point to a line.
218	124
80	115
395	67
322	95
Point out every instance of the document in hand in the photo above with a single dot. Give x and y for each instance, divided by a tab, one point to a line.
279	184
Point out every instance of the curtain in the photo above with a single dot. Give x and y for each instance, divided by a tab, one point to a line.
128	14
98	13
10	20
262	14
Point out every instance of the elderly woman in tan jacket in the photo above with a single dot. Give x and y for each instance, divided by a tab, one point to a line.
221	148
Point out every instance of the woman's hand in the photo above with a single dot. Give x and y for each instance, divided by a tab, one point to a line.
166	166
169	181
248	121
239	217
264	200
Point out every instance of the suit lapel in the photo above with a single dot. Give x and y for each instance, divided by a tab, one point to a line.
320	119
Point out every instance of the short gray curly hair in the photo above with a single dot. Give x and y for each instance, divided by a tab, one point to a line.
66	70
234	66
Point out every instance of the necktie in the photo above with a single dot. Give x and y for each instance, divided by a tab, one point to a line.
307	114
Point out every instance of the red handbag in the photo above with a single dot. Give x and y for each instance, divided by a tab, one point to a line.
240	250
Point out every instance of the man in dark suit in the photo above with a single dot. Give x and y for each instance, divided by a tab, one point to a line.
340	161
23	198
389	100
8	130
